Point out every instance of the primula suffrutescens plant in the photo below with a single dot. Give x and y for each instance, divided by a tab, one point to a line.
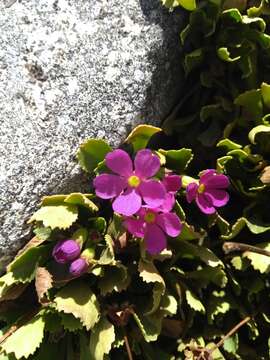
168	257
101	265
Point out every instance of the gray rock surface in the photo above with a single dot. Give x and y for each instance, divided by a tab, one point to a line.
70	70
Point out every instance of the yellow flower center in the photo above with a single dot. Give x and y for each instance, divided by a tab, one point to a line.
150	217
201	188
134	181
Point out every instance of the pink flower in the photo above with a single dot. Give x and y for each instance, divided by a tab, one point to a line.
66	250
78	267
209	193
128	186
153	226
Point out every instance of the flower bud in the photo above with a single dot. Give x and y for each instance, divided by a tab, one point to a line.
88	254
65	251
78	267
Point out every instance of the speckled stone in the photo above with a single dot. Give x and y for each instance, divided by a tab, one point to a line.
70	70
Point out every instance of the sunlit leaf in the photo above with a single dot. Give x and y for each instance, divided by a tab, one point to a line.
26	339
77	298
101	339
59	216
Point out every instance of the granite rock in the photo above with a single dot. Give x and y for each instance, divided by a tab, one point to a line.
70	70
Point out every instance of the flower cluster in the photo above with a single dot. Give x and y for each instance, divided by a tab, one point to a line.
146	202
68	252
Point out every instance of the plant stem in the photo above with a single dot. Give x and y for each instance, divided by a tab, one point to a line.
230	333
234	246
130	357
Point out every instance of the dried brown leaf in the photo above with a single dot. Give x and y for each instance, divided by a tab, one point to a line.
43	283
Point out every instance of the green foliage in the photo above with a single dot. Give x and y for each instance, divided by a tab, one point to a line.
26	339
91	153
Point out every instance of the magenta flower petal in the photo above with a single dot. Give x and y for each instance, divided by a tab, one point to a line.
119	162
205	203
168	203
135	226
78	267
146	164
172	183
108	186
169	223
217	181
155	239
153	193
207	174
218	197
128	203
191	191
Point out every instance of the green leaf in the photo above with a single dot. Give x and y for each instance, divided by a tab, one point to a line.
23	268
224	54
149	273
42	233
193	60
254	225
233	14
256	130
26	339
91	153
168	304
177	160
217	304
115	278
265	88
209	274
235	230
84	347
140	136
107	255
206	255
150	325
188	232
258	261
70	323
188	4
228	145
231	344
59	216
83	200
194	302
251	100
77	298
101	339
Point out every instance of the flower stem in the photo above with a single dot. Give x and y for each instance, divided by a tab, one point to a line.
234	246
231	332
130	357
